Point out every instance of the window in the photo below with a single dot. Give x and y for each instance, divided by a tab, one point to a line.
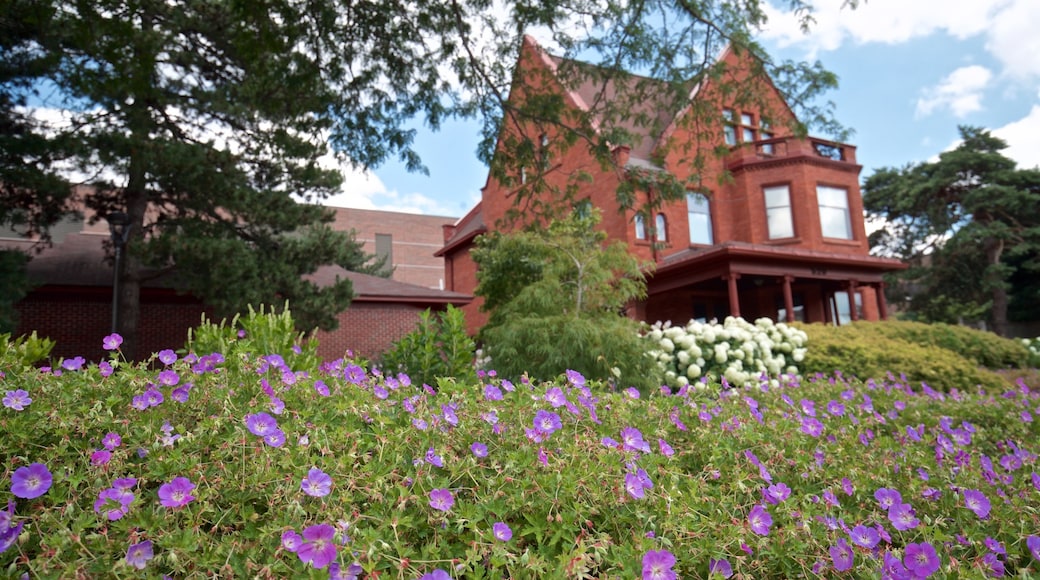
699	210
834	212
385	251
640	227
662	229
523	175
778	212
729	130
841	313
747	132
583	209
798	301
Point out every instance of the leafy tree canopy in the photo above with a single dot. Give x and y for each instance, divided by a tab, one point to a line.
202	120
556	299
968	223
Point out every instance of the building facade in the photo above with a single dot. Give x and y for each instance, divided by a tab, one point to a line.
773	229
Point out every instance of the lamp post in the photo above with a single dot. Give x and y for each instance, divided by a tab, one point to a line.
119	226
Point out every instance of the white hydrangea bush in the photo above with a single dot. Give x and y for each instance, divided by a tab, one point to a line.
736	350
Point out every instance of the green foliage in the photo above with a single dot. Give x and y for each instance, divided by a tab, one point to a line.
570	511
946	357
556	296
1033	346
14	285
735	350
967	224
439	347
258	332
23	352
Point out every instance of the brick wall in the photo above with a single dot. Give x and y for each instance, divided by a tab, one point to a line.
415	239
368	329
79	320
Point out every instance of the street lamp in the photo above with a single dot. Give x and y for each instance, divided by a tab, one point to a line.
119	226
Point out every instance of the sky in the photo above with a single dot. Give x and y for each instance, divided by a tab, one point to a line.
910	72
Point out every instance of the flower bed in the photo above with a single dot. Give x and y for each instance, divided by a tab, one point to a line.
242	464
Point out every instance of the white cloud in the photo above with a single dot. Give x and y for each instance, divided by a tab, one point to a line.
961	92
1009	27
881	21
1023	138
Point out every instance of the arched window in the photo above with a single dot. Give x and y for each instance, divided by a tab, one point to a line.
662	228
640	227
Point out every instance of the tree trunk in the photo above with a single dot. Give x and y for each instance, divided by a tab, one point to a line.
998	289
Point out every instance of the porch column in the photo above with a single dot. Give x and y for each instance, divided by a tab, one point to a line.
734	298
882	305
788	298
853	315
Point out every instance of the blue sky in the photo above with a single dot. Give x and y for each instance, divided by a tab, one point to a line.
910	72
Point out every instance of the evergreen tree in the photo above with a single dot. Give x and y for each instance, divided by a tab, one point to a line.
969	223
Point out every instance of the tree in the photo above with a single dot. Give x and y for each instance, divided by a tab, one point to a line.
204	120
969	223
563	308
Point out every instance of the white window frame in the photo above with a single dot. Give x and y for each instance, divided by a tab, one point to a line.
835	218
701	232
779	217
661	228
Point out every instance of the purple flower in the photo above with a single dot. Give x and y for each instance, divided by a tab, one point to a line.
17	399
657	565
180	394
493	393
261	424
575	378
811	426
479	449
139	554
501	532
437	574
124	483
317	483
167	357
864	537
291	541
433	459
153	397
73	364
721	567
836	408
275	439
31	481
100	457
632	440
841	555
977	502
168	378
902	517
555	397
105	368
111	441
760	520
547	422
121	499
665	448
441	499
920	559
634	486
888	497
996	567
1033	543
321	388
846	486
351	573
177	493
318	548
111	342
776	493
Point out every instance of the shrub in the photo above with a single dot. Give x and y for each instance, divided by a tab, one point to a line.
494	480
1033	346
870	350
983	348
23	351
736	350
439	347
257	332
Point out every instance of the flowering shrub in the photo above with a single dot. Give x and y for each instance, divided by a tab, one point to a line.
1033	345
265	470
735	350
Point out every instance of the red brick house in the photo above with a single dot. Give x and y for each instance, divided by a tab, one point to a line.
775	229
72	301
